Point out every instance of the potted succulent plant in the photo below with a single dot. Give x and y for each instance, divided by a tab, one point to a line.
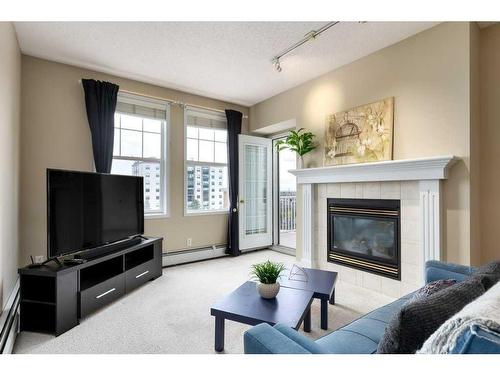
298	141
267	275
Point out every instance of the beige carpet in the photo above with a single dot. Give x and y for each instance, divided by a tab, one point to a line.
172	313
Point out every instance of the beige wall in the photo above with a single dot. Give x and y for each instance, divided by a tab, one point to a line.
475	159
428	74
10	104
490	137
55	134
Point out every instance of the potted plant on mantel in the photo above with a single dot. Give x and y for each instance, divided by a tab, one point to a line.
298	141
267	275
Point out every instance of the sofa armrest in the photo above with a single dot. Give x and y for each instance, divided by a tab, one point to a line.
436	270
300	339
264	339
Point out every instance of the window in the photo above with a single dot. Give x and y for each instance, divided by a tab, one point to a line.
206	160
140	146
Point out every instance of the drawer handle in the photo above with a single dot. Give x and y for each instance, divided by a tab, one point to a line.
141	274
102	295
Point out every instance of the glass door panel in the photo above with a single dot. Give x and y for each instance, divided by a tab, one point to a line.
255	192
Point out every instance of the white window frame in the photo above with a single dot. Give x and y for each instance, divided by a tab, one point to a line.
164	211
188	163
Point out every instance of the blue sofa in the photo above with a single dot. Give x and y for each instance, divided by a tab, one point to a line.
363	335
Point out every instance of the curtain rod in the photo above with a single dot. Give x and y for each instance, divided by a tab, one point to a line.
172	101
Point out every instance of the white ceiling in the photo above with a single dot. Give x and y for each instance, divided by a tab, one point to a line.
225	60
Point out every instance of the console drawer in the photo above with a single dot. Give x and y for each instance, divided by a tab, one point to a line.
101	294
139	275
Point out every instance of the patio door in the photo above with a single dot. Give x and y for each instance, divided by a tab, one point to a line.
284	201
255	192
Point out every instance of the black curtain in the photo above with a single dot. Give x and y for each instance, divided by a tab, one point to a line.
233	129
100	101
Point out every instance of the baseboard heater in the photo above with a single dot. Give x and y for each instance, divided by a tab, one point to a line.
193	255
9	322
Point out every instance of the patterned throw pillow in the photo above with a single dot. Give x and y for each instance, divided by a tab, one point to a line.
416	321
431	288
488	274
491	267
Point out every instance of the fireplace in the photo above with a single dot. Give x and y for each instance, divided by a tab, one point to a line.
365	234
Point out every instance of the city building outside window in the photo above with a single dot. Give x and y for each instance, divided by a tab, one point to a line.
140	146
206	162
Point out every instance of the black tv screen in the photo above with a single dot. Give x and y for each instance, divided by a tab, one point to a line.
87	210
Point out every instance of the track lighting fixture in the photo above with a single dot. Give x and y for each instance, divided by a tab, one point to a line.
310	35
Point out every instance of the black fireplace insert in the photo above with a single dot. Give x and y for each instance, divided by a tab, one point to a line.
365	234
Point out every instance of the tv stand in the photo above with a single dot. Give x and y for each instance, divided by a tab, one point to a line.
97	252
38	265
54	298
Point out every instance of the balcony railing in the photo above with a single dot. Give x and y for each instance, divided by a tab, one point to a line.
287	212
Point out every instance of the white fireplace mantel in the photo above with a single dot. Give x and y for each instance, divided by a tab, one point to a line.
431	168
428	171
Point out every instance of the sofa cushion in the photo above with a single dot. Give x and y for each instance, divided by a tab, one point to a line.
363	335
385	313
417	320
347	342
370	328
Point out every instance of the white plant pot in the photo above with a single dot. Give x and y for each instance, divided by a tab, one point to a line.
268	291
300	162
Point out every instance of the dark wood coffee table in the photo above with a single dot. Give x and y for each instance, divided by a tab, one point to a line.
245	305
322	283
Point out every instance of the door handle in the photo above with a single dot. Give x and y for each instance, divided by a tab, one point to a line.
242	201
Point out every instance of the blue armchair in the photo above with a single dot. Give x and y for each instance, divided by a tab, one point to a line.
359	337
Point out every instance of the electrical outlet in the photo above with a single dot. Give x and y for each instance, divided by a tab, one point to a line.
189	242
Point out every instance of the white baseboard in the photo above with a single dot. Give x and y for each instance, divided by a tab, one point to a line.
188	256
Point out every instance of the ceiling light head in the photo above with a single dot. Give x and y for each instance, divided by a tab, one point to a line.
277	65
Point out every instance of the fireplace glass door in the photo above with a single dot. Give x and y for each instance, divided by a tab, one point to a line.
367	237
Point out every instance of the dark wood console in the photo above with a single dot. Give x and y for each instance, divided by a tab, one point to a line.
54	298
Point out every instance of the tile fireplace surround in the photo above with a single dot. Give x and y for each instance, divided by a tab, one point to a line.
415	182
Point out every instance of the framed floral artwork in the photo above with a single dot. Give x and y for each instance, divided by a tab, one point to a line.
360	135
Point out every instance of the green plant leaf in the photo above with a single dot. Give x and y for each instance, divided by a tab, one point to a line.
298	141
267	272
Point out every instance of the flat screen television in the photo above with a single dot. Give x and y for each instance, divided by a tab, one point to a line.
88	210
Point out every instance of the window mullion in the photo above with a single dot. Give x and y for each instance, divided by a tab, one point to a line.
142	137
120	117
198	144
